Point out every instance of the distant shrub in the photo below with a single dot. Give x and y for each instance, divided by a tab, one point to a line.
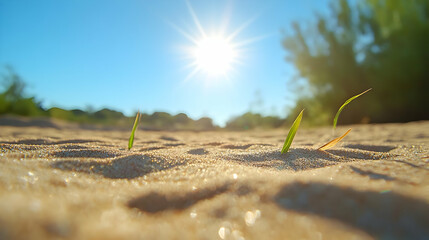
254	120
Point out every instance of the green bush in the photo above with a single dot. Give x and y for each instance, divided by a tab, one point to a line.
370	44
254	120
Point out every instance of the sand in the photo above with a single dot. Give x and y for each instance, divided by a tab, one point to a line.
59	181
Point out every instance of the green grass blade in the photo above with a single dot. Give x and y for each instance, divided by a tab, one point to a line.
131	140
345	104
292	132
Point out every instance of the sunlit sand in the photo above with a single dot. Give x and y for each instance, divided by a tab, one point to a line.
60	181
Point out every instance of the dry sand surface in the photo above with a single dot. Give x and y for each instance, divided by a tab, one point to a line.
58	181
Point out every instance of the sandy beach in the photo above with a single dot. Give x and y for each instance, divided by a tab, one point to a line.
59	181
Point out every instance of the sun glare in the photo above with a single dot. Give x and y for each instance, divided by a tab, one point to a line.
214	55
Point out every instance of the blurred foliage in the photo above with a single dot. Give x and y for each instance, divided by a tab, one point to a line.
13	101
251	120
166	121
371	43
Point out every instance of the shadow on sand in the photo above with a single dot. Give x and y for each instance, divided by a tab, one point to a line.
154	202
384	215
301	158
128	167
372	148
42	141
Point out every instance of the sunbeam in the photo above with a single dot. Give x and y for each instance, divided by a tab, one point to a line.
214	53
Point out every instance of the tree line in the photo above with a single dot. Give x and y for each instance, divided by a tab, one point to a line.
13	101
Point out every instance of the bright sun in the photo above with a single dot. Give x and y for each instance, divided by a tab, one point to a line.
214	55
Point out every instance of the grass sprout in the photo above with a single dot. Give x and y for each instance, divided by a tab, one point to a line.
345	104
292	132
131	140
333	142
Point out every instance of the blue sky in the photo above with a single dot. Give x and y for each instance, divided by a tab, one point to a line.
129	55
